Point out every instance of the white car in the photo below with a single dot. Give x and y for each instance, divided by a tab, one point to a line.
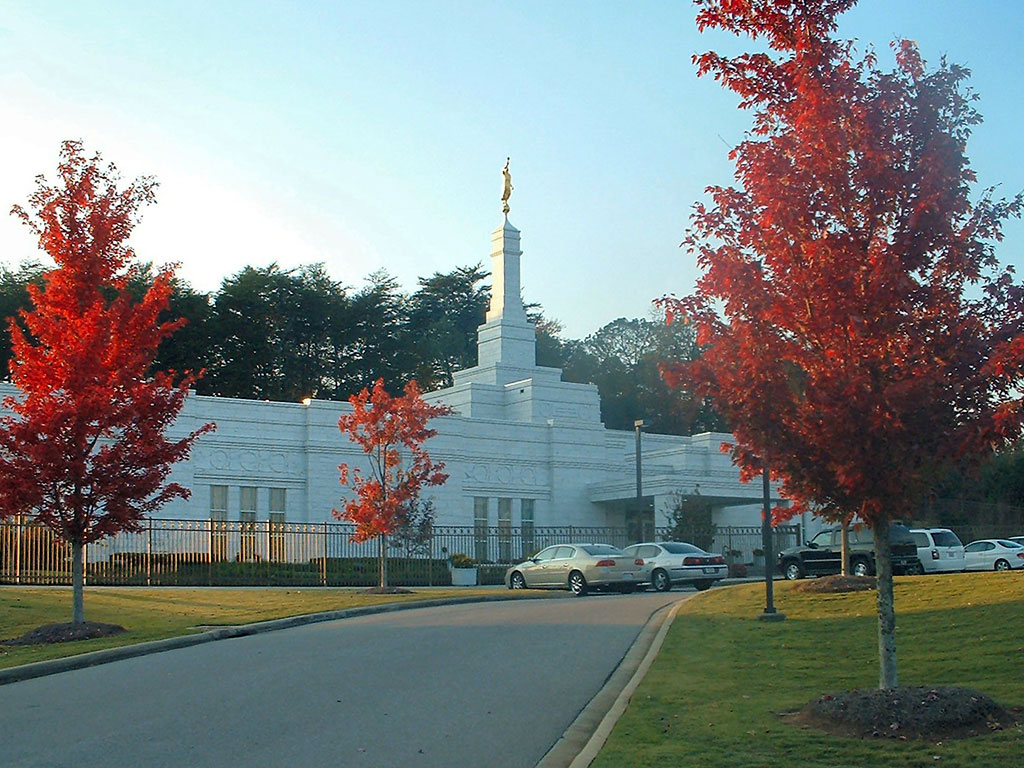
675	562
994	555
938	549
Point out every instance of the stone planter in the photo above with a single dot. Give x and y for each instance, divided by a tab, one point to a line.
463	577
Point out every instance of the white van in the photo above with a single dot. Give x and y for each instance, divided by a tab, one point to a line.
938	549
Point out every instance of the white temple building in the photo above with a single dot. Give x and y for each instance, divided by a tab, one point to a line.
523	448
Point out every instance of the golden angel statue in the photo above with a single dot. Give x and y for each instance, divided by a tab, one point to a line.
507	192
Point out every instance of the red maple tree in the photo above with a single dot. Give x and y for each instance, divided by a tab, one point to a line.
383	425
83	449
860	334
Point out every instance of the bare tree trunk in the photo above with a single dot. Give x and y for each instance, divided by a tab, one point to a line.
382	561
77	581
845	546
888	676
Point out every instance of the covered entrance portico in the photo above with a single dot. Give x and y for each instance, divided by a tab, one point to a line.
667	491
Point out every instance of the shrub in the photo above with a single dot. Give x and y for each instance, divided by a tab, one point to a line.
460	560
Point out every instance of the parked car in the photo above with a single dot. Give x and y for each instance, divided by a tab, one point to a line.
994	555
938	549
578	568
1018	539
822	555
667	563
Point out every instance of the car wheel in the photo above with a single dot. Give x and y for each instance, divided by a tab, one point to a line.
794	571
862	568
703	584
577	584
1002	565
516	581
916	569
660	581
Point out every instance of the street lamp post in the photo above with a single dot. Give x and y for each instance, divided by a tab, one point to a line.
638	425
770	614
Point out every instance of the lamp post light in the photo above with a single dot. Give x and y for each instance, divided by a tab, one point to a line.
770	614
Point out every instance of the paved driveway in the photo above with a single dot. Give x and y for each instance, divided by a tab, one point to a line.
487	684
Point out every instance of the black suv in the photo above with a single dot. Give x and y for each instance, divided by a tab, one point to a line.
822	555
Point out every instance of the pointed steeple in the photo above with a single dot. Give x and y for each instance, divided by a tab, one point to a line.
507	337
506	295
506	384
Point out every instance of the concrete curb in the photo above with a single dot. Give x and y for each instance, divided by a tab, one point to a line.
585	737
108	655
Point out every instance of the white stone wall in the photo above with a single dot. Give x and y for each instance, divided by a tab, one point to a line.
298	448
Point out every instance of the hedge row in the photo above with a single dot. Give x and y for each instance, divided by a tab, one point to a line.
180	570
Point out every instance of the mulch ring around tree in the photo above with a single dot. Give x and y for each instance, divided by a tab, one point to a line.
836	583
929	714
66	632
387	591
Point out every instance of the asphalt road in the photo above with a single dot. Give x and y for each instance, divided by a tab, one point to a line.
485	685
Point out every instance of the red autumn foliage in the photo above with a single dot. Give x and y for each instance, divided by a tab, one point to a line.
391	430
84	451
859	331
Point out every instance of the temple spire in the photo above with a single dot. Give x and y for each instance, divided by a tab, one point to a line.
507	337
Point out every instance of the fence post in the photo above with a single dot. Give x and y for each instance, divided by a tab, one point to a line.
430	560
18	530
149	552
323	561
209	550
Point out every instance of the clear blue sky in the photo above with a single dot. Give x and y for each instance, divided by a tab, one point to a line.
372	134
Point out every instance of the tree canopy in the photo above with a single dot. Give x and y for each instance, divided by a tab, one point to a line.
391	431
858	330
83	449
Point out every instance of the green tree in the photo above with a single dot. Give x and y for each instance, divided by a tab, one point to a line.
277	334
14	299
622	359
444	315
381	346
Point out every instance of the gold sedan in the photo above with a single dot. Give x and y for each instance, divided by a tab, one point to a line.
578	568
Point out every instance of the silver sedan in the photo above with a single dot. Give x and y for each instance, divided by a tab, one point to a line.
578	568
675	562
993	555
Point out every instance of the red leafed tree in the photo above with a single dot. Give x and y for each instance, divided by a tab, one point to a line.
391	431
83	449
860	333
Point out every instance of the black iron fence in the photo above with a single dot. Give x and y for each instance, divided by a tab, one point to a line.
208	553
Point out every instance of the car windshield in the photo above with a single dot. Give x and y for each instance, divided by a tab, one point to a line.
679	548
946	539
601	549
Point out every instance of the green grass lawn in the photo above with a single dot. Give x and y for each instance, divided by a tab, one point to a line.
714	695
155	614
